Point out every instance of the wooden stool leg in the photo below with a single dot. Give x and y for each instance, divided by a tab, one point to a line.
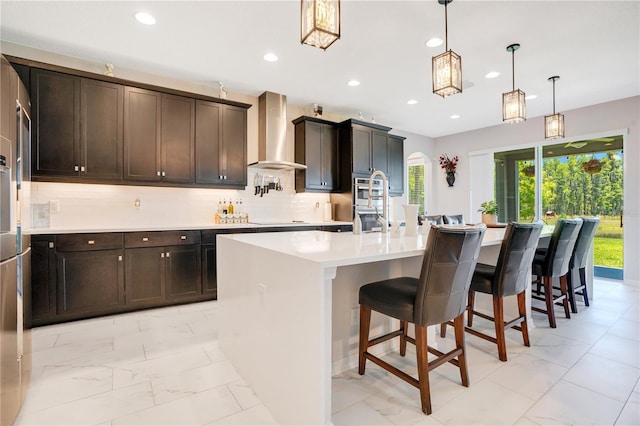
548	297
522	311
498	321
563	292
423	367
571	292
470	307
403	338
458	326
583	283
365	321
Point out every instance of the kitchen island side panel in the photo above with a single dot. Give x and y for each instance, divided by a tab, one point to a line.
275	327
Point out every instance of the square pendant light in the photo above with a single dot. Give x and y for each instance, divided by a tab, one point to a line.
320	22
554	123
446	68
514	106
447	74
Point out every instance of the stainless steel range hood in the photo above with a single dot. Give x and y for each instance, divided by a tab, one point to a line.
272	134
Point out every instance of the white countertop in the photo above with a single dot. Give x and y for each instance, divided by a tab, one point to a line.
265	224
339	249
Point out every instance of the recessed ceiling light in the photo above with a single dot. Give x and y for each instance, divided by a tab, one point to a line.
145	18
608	144
353	83
492	74
412	102
434	42
529	97
454	116
270	57
549	152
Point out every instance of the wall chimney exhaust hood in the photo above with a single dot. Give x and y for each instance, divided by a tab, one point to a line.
272	134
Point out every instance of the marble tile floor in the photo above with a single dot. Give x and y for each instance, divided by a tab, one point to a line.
164	366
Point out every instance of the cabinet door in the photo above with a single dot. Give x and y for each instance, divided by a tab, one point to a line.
209	281
314	158
182	267
233	155
361	139
396	166
208	132
8	97
142	112
330	157
55	99
89	282
144	276
43	282
177	139
379	156
101	129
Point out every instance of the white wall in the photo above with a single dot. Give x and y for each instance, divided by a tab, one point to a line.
597	120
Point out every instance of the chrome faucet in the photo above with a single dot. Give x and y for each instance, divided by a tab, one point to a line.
384	221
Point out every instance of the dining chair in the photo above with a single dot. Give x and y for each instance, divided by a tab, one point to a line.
453	219
553	263
438	295
578	262
431	219
508	277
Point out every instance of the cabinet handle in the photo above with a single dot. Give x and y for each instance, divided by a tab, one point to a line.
158	173
183	237
167	254
162	255
91	242
82	168
224	177
145	239
75	168
119	258
164	174
51	245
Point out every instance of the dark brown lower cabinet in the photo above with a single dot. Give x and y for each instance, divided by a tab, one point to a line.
90	282
209	271
43	280
182	269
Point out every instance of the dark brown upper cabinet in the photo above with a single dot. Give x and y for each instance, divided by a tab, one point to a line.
159	136
396	165
221	144
316	146
366	145
78	127
8	97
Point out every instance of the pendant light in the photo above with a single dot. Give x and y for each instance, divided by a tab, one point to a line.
513	103
320	22
446	68
554	123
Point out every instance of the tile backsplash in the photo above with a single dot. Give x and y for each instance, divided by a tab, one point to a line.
79	206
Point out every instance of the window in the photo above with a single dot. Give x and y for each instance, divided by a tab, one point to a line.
416	167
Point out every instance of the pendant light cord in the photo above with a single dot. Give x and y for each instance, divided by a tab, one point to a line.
446	35
554	96
513	69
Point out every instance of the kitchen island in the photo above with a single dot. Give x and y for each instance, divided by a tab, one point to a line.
289	303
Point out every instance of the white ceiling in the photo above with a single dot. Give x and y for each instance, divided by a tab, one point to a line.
594	46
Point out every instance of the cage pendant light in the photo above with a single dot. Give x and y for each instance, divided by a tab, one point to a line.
446	68
513	103
320	22
554	123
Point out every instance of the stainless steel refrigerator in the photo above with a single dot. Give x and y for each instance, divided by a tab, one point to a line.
15	247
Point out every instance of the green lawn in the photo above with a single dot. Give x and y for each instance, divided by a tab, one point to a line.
607	244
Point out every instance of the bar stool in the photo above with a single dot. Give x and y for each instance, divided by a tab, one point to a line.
554	263
579	261
509	277
439	295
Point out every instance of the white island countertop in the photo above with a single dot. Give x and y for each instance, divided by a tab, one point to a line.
286	304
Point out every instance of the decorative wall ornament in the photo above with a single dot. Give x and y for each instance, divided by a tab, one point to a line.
449	165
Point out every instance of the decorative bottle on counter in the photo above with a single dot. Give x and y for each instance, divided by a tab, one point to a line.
230	208
357	225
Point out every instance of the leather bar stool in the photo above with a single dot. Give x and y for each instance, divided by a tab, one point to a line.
454	219
554	263
578	262
438	295
433	219
509	277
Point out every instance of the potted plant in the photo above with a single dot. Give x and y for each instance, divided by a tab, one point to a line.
449	165
489	210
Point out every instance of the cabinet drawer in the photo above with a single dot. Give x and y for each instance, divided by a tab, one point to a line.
161	238
209	235
86	242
